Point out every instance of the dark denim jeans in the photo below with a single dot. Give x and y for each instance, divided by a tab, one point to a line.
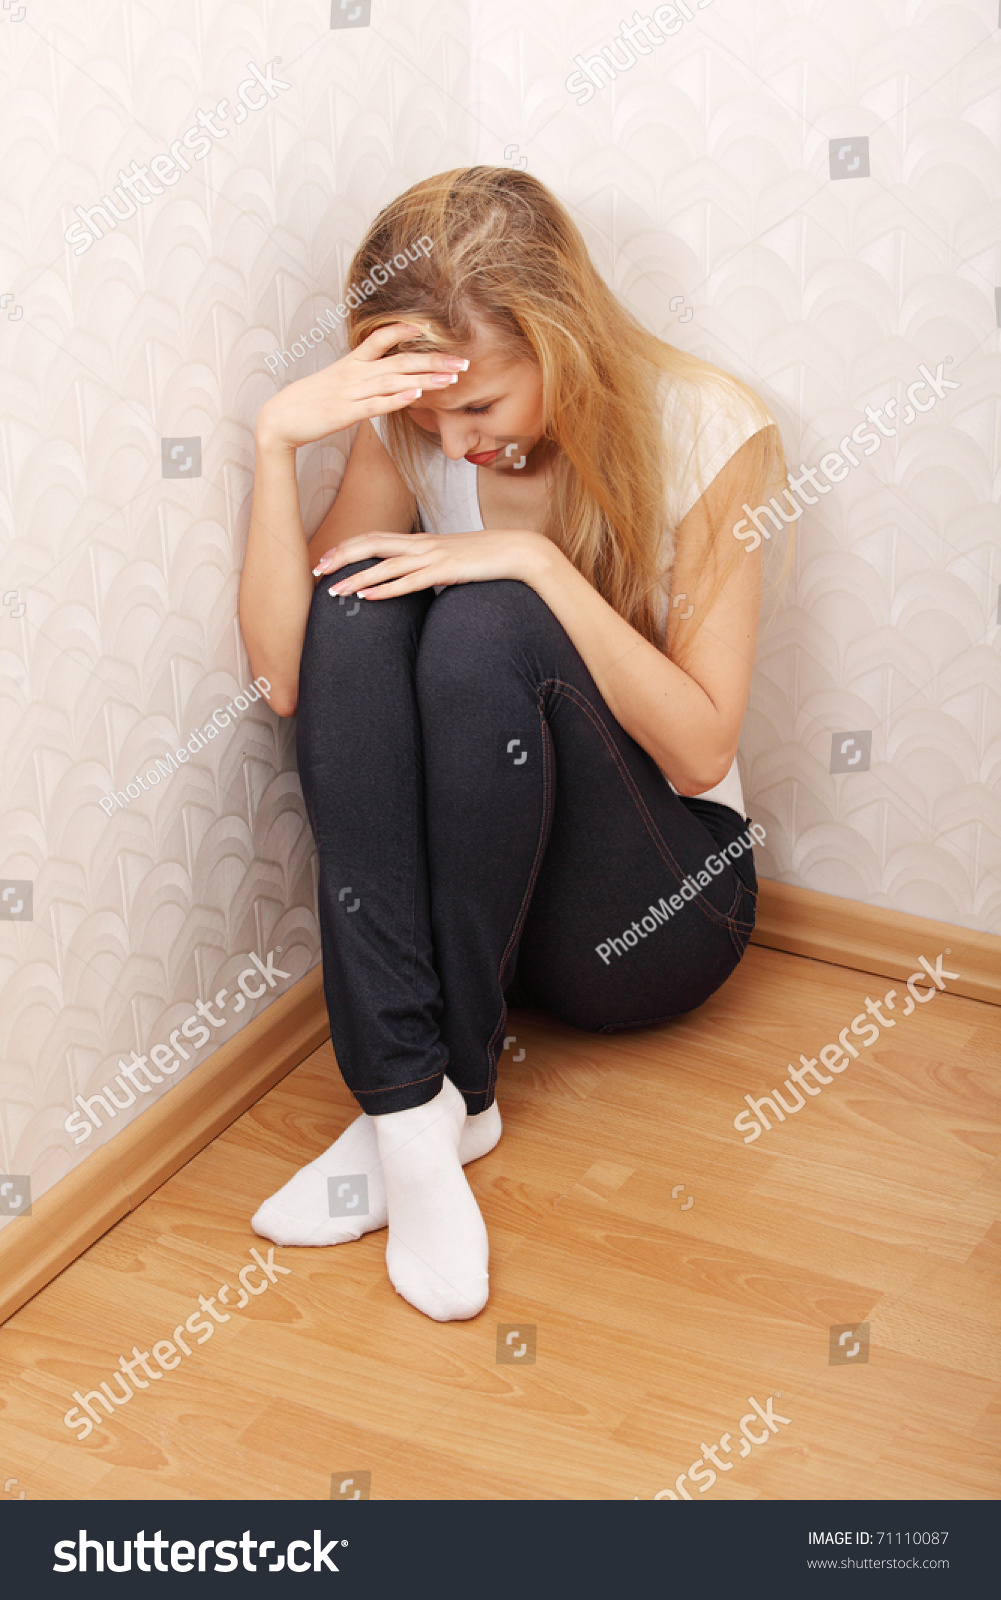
483	824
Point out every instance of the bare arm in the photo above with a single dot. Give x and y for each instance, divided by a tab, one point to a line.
276	589
372	495
276	586
688	720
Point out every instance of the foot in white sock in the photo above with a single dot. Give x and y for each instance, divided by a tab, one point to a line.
437	1252
299	1213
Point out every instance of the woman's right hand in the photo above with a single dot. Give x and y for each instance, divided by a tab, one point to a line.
364	383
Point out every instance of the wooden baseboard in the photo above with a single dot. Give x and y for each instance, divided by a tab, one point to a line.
872	939
120	1175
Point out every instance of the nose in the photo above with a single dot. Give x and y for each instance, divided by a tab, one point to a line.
457	436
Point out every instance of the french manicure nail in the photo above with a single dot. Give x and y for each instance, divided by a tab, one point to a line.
456	364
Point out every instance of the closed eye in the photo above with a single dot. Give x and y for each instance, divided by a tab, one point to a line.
477	411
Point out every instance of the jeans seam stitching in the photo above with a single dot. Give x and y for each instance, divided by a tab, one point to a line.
390	1088
720	919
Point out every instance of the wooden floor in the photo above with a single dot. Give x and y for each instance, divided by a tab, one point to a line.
656	1319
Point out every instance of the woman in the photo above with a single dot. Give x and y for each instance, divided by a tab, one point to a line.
514	747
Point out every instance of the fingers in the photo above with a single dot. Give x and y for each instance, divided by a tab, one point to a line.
372	544
396	402
425	361
375	346
408	585
373	349
394	567
381	381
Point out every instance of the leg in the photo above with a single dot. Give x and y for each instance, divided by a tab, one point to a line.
360	764
549	831
359	749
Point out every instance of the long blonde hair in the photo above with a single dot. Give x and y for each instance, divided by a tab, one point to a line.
505	253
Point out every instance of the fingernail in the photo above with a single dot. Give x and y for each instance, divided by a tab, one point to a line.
456	364
441	380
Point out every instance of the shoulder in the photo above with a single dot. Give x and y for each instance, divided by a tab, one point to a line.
708	415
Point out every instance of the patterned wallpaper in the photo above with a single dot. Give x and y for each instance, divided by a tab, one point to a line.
806	194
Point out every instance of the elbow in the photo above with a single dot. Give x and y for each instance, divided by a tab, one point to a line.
283	704
689	786
705	775
282	698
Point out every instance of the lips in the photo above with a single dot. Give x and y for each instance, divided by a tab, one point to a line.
483	458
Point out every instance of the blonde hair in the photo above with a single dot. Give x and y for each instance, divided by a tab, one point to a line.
505	253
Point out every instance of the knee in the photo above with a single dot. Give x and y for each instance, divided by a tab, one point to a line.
475	631
343	628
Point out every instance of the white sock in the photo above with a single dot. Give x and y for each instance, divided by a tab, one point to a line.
437	1252
299	1213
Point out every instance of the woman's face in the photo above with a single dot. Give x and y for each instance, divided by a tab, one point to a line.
496	399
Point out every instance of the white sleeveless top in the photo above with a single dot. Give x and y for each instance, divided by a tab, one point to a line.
721	429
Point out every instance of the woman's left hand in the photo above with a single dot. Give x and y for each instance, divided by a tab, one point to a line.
412	561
